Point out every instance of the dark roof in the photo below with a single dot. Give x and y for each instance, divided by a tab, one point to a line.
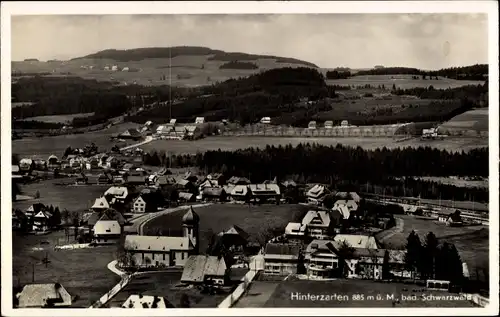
136	179
235	230
151	197
198	267
213	191
282	249
109	214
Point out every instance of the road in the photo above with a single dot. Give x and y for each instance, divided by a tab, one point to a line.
148	139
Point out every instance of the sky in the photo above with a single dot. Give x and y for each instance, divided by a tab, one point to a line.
426	41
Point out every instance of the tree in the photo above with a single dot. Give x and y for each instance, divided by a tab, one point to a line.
65	216
345	252
329	201
455	266
428	259
37	195
413	252
56	217
386	274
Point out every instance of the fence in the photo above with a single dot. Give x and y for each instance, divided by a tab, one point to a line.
280	131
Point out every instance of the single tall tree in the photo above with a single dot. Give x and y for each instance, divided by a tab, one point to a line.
428	259
413	252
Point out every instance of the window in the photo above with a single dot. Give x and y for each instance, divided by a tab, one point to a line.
163	256
182	255
143	256
152	256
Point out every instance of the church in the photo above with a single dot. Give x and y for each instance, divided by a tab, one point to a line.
165	251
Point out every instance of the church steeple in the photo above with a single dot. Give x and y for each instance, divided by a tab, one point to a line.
190	224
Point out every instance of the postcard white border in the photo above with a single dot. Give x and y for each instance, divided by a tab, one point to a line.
249	7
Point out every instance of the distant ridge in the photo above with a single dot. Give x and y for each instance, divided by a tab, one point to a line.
139	54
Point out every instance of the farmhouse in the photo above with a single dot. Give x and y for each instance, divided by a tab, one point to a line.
199	120
316	194
19	220
111	162
350	204
52	295
125	69
412	210
238	181
312	125
318	223
281	258
131	134
343	210
328	124
263	192
146	301
108	228
186	186
214	194
295	230
205	269
193	132
240	193
53	160
41	218
349	196
367	263
265	120
26	164
100	204
186	197
164	129
116	194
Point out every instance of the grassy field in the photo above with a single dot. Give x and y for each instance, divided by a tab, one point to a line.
401	81
167	285
456	182
64	118
471	241
82	272
282	296
234	143
73	198
476	119
44	147
219	217
257	294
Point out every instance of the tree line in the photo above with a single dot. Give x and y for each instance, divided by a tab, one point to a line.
238	65
473	72
380	171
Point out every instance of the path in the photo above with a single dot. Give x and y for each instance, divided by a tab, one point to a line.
112	267
147	140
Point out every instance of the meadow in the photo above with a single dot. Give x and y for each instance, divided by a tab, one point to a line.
476	119
83	272
73	198
45	146
220	217
229	143
65	118
401	81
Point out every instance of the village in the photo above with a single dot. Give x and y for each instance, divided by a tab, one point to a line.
334	237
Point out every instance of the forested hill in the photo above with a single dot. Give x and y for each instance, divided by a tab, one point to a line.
139	54
473	72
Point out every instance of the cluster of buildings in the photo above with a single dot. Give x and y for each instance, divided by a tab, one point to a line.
314	248
312	124
177	131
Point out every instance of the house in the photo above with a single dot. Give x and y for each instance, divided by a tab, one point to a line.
108	228
52	295
199	120
240	193
349	196
131	134
114	68
26	164
102	159
208	183
453	219
152	180
344	123
316	194
412	210
147	202
186	186
318	223
118	180
322	259
104	179
350	204
128	167
214	194
289	183
19	220
238	181
125	69
368	263
41	219
312	125
116	194
187	197
146	301
295	230
111	162
281	258
205	269
164	129
164	180
92	163
263	192
328	124
53	160
193	132
100	204
357	241
265	120
215	180
341	210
